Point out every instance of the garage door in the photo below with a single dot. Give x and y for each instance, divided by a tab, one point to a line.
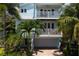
47	42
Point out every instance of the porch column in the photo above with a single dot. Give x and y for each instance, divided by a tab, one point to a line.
32	45
32	40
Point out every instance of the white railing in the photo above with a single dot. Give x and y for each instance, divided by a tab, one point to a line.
50	32
47	14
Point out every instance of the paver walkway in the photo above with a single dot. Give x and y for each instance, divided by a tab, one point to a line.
47	52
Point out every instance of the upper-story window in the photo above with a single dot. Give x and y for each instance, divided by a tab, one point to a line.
23	10
45	13
49	13
41	12
52	11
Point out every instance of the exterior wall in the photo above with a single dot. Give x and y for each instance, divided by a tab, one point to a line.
50	31
33	10
32	13
56	12
29	11
45	42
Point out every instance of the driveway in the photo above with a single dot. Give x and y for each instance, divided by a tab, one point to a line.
47	52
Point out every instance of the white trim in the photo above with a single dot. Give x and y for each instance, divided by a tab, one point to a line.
50	35
46	18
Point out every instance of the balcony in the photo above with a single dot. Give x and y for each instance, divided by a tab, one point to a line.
48	15
50	33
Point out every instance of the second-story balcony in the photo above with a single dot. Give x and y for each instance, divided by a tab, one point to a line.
48	15
48	11
50	32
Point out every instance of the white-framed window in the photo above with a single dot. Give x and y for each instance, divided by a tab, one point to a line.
45	25
52	11
41	12
52	25
23	10
49	25
49	13
45	13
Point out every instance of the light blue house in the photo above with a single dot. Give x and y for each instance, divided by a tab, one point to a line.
49	13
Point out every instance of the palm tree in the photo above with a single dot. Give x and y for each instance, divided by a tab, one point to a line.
28	27
72	10
67	23
76	35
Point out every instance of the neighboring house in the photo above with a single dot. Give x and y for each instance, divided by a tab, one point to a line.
49	13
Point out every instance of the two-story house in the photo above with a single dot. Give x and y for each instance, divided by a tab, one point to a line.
49	13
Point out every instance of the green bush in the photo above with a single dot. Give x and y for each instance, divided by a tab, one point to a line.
1	51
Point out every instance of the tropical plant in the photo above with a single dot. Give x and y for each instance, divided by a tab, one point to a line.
30	26
7	12
66	24
13	44
72	10
76	35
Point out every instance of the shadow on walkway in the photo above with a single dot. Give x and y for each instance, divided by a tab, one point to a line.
47	52
58	53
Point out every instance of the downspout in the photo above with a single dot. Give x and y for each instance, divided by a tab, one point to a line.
32	39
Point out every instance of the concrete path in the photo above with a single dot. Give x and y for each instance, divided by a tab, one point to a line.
47	52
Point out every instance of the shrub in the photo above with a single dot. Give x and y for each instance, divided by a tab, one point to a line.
1	51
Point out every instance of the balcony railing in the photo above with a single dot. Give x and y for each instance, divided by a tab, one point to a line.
50	14
50	32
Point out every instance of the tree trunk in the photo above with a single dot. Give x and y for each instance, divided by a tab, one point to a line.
29	52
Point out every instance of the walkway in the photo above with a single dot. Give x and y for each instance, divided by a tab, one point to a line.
47	52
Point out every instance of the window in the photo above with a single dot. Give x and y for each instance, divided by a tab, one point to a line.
41	12
49	13
52	11
49	10
45	13
52	25
23	10
48	25
45	25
